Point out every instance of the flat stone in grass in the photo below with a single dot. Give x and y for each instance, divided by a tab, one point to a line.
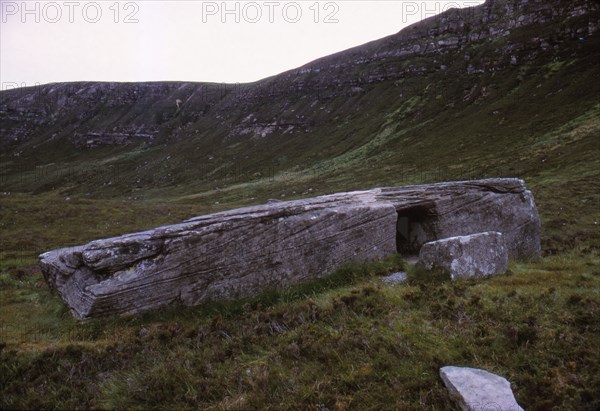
479	390
395	278
467	256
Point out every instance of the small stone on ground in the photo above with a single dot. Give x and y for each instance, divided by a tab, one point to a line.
395	278
478	390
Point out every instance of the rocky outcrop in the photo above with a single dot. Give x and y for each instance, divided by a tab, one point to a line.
479	390
475	255
242	252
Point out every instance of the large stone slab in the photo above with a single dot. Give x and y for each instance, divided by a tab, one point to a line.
242	252
475	255
223	255
479	390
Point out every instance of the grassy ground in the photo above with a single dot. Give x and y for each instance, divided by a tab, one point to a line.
345	342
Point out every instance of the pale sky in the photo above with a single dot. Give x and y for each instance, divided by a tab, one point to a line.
192	40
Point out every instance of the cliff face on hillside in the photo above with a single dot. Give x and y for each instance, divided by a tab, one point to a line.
339	108
443	38
94	114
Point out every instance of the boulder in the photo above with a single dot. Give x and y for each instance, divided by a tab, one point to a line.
478	390
224	255
245	251
475	255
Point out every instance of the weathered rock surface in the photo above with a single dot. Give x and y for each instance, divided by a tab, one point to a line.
475	255
222	255
478	390
241	252
432	212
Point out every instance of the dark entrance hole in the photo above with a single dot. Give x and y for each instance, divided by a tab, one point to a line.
414	228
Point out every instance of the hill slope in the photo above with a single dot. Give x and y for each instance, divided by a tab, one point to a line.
451	90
